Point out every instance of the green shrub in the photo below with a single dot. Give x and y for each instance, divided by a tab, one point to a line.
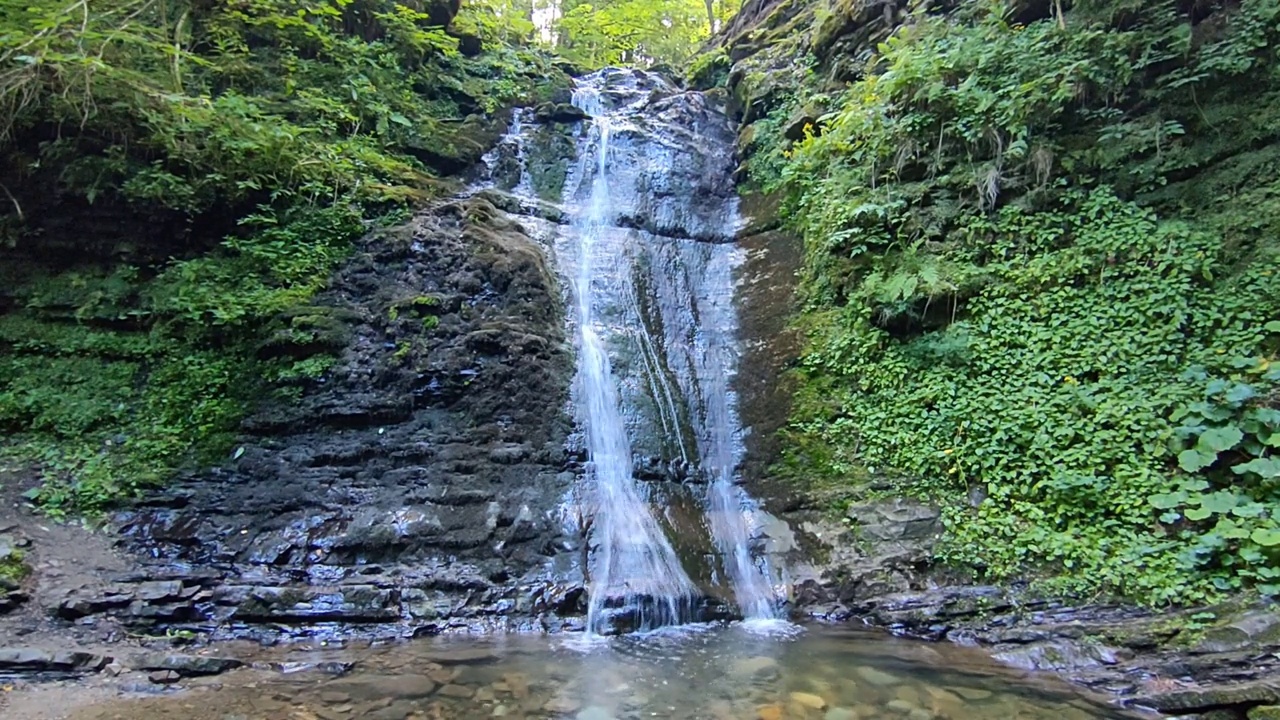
1015	295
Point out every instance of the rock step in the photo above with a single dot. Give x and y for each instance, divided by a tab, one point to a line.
25	660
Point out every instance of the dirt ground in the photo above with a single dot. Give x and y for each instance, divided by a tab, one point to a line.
62	557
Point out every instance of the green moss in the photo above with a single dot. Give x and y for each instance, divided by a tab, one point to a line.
12	568
709	70
108	387
550	152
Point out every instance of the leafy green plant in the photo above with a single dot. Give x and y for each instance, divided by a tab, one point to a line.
1229	506
1039	290
304	121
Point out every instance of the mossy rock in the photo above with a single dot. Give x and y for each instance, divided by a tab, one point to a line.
307	331
1204	698
451	148
559	113
550	151
13	566
1265	712
709	71
422	307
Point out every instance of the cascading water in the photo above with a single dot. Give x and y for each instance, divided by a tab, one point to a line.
649	256
636	565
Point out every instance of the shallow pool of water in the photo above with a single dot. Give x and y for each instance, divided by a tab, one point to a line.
713	672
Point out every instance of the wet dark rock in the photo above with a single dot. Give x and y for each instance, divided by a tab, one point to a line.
522	206
11	595
352	604
427	461
469	44
33	660
1213	698
185	665
441	12
559	113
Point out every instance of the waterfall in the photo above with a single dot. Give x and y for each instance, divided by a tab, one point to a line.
636	568
649	258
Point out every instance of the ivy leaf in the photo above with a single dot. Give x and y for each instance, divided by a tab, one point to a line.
1219	502
1273	326
1189	430
1170	517
1251	509
1218	439
1197	513
1268	467
1167	501
1266	537
1240	394
1194	460
1231	530
1197	485
1215	386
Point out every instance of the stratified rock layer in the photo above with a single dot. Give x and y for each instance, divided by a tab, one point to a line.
416	484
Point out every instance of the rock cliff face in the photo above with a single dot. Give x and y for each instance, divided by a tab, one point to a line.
416	486
422	484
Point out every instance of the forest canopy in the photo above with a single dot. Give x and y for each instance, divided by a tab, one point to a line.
616	32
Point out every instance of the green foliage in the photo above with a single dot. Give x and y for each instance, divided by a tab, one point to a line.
710	69
303	120
12	567
637	32
1040	271
1228	507
107	412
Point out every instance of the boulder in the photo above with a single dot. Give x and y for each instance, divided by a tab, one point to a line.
559	113
34	660
1255	628
1188	700
185	665
164	677
896	519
